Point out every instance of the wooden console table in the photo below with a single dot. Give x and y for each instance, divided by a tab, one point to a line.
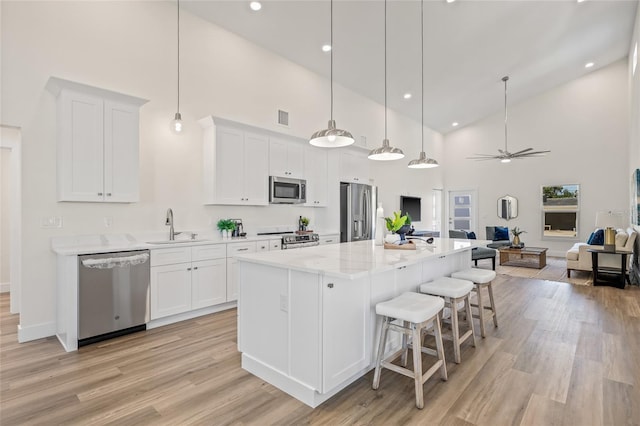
609	276
529	257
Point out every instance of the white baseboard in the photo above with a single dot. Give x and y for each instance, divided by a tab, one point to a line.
37	331
5	287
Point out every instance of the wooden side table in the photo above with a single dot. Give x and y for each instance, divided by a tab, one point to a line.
609	276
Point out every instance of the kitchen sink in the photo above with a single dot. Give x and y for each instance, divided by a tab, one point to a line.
175	241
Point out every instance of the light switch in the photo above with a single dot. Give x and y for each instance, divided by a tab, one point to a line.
108	221
284	303
51	222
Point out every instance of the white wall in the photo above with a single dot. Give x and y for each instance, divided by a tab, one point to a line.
130	47
634	100
585	125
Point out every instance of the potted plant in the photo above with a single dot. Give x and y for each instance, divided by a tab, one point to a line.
516	235
226	225
304	221
398	224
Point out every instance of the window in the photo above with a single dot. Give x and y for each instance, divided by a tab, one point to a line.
560	208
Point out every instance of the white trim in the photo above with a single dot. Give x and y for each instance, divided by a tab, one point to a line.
10	137
159	322
37	331
5	287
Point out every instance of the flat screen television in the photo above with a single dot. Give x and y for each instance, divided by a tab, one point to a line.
412	207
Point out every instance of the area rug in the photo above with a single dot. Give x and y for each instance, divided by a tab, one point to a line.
556	270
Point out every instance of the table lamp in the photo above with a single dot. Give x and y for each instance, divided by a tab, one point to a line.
609	221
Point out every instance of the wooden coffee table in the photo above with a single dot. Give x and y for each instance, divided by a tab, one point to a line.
529	257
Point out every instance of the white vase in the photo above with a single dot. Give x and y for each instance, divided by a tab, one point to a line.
380	225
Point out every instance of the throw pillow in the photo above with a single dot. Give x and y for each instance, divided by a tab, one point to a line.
471	235
591	237
621	239
598	238
502	233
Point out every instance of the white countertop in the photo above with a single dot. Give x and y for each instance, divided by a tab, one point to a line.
353	260
107	243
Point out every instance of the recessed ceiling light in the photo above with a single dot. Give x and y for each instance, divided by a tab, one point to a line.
455	124
635	59
407	96
589	64
326	47
580	1
450	1
255	5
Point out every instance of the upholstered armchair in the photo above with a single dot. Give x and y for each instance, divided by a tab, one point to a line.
499	235
477	253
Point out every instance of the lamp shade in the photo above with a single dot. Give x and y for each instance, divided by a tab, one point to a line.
423	162
386	152
610	219
331	137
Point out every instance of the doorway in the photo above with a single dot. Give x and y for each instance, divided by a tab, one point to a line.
463	210
10	144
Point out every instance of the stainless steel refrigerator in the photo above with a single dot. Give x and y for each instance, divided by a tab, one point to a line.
357	211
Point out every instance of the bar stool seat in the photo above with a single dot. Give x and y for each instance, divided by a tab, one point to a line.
417	312
481	278
454	291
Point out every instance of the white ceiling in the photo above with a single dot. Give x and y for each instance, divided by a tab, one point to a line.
469	46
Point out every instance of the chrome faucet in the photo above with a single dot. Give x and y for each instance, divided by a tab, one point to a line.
169	222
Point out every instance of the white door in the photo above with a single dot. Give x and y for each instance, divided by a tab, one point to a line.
229	166
208	283
121	153
463	210
170	290
256	184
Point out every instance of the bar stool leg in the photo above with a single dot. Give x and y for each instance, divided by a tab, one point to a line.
493	305
480	310
384	330
405	346
453	303
417	364
440	348
467	306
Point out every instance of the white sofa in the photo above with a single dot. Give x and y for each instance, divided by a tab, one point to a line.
578	258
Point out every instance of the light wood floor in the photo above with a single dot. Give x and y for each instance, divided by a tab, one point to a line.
563	355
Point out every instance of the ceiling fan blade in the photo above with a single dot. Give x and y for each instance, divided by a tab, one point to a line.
523	151
533	153
483	158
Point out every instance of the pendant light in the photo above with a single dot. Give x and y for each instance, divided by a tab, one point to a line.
423	162
177	126
385	152
331	137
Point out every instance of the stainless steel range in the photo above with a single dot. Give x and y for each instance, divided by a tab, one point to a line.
292	241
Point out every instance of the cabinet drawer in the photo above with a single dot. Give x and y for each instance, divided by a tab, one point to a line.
214	251
262	245
275	244
241	248
170	255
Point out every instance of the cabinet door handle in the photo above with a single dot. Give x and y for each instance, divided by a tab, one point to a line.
195	267
188	269
108	194
100	194
330	285
328	241
243	249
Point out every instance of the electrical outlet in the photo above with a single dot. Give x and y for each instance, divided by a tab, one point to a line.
108	221
284	303
51	222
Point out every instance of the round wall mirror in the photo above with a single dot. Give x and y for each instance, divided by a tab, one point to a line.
507	207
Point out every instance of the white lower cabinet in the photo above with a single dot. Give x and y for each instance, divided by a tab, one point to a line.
329	239
232	265
345	317
187	278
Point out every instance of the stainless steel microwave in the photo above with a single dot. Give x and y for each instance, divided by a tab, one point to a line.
287	190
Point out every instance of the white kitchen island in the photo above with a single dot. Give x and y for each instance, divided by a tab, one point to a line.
306	317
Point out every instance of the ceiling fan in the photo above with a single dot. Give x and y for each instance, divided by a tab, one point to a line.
505	156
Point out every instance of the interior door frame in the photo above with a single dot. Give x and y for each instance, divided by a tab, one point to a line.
474	209
10	138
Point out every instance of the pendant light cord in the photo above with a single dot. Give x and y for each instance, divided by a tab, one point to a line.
505	111
422	73
178	5
385	69
331	56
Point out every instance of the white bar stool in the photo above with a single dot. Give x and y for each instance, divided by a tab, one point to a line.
454	291
481	278
418	312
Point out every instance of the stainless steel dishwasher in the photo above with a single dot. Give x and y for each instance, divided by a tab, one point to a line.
113	294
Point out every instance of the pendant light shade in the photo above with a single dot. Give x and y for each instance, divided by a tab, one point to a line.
386	152
423	162
331	137
177	126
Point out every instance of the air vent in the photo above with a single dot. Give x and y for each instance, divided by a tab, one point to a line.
283	117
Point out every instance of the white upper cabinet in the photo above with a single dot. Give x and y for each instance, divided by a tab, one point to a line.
354	166
235	164
98	147
316	173
285	158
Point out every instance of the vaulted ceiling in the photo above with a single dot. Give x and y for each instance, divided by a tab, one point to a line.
469	45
